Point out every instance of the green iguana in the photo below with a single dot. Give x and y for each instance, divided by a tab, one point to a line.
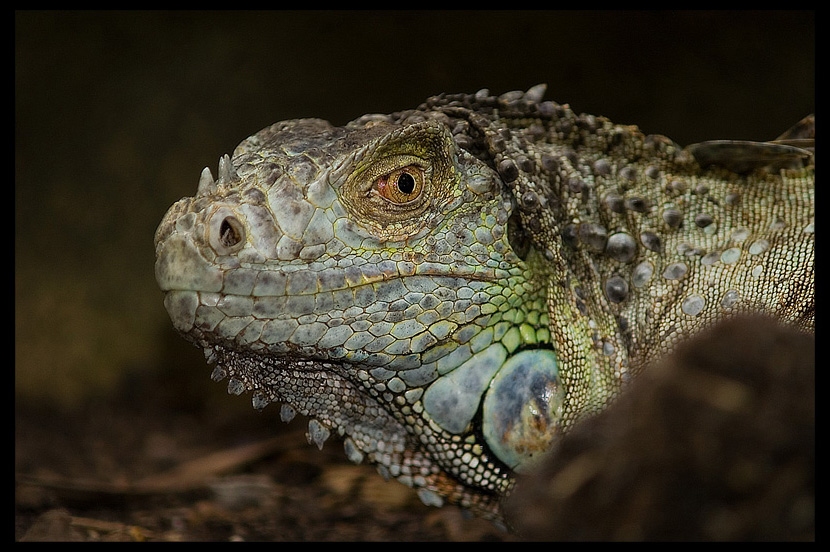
453	287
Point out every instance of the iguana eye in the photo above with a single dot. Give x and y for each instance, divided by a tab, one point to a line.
401	186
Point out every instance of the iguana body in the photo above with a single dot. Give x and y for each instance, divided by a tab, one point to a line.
452	287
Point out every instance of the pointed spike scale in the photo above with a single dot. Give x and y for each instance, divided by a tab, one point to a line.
226	171
317	433
287	413
218	374
235	387
206	183
352	452
536	93
259	401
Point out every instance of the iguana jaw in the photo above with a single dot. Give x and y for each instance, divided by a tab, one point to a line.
371	432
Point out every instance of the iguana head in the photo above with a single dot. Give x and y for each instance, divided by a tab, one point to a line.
374	277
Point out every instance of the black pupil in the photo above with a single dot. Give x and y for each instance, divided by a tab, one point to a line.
406	184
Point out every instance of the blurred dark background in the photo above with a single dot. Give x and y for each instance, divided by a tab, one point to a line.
116	114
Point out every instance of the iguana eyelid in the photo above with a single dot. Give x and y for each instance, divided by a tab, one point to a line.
391	163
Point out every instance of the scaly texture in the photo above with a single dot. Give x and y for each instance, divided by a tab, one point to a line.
452	287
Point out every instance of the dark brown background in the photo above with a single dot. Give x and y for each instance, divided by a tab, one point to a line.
116	114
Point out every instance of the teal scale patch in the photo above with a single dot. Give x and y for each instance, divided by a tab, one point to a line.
453	399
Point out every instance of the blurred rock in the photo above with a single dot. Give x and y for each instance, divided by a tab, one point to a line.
717	442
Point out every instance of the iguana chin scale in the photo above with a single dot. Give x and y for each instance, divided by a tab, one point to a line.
451	288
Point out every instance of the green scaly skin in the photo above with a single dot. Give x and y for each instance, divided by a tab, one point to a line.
451	288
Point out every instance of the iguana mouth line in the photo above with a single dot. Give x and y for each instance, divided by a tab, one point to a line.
471	275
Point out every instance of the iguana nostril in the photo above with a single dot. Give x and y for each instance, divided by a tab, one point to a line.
226	233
